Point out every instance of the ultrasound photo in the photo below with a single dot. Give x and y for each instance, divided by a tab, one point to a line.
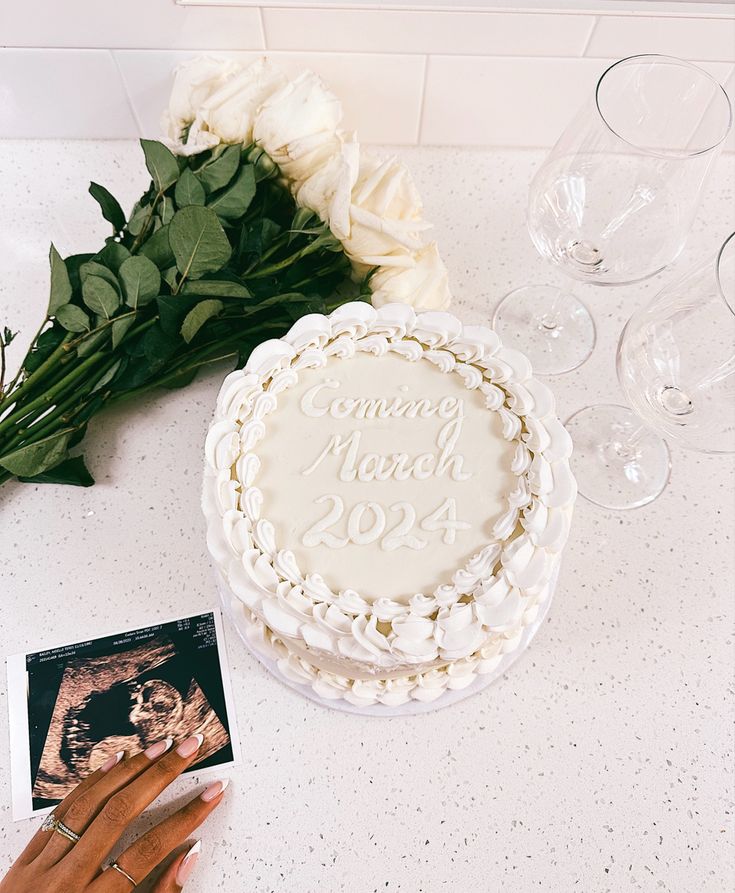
87	701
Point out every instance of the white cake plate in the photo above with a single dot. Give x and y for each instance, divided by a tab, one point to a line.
411	708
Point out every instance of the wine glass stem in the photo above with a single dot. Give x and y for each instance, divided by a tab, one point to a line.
625	447
549	320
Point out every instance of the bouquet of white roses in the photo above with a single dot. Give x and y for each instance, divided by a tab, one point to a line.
260	209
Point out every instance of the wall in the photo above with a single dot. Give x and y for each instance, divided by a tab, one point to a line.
101	68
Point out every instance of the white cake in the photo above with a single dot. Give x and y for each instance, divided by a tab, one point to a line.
387	497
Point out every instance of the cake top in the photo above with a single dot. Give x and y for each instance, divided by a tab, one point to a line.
394	471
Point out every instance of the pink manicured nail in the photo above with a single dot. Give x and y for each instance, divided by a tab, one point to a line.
159	749
214	790
189	747
112	761
189	864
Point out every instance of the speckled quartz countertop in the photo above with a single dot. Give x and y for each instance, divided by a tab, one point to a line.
601	762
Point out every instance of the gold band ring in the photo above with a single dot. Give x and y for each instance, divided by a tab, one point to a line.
124	873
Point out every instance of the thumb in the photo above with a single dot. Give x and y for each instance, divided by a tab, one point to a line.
179	871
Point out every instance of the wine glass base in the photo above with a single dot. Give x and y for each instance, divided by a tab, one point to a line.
551	326
618	462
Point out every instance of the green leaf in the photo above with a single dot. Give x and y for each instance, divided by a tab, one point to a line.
218	172
265	167
100	296
158	249
166	210
161	163
110	374
302	218
73	318
119	329
170	277
60	292
71	471
196	317
189	191
198	242
112	255
140	281
217	288
158	348
171	312
37	457
234	201
94	268
74	263
184	378
137	220
111	209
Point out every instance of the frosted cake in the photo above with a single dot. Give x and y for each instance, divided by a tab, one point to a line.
387	497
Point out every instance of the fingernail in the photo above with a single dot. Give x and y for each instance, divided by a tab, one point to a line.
189	864
214	790
189	747
159	749
112	761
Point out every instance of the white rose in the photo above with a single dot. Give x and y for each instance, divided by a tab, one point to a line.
328	191
385	215
229	113
298	127
194	82
425	285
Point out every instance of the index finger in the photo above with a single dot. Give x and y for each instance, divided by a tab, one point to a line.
126	805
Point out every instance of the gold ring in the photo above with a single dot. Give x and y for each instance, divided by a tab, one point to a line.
51	823
123	873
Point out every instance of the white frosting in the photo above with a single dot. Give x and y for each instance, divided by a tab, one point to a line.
455	582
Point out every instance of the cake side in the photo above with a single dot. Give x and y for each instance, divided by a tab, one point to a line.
338	639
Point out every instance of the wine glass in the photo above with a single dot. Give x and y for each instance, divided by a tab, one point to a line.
676	364
614	201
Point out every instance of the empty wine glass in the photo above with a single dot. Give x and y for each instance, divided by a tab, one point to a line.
614	201
676	364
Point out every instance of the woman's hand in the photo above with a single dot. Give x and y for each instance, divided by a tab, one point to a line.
100	810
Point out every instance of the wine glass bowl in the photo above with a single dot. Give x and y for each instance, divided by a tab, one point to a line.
676	364
614	201
676	357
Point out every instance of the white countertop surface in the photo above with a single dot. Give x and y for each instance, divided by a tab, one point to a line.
601	762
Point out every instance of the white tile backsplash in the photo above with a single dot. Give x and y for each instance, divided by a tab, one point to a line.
62	93
381	93
136	24
392	31
509	102
471	100
703	38
90	69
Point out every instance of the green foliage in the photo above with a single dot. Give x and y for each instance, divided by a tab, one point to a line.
109	206
73	318
198	315
61	289
198	242
161	164
140	281
214	258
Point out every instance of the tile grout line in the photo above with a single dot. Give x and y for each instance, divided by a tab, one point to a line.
128	97
263	35
422	100
586	46
276	52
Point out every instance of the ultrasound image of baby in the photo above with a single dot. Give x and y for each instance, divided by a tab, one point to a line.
124	701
